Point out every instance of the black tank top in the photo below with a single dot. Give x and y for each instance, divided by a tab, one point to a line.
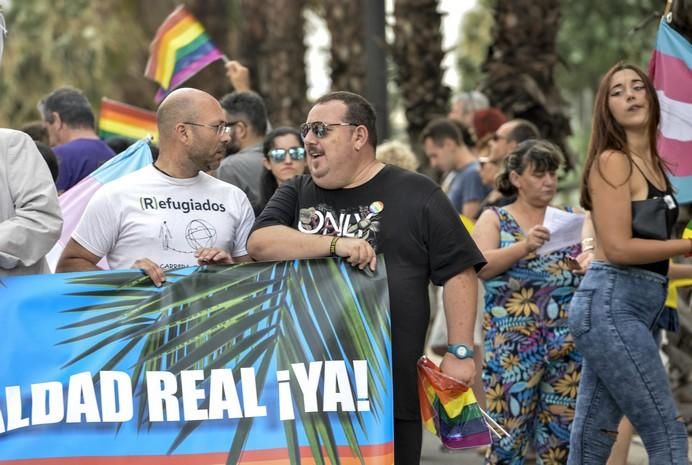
667	203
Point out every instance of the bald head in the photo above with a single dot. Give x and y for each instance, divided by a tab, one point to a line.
181	105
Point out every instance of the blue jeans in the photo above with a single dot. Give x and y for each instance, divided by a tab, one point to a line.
612	318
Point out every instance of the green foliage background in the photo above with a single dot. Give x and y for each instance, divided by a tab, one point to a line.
594	35
102	47
95	46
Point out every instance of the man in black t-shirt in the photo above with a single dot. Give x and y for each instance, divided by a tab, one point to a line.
355	207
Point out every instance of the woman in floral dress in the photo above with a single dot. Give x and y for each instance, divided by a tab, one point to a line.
531	368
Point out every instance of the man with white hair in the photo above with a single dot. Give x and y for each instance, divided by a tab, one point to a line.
464	105
30	219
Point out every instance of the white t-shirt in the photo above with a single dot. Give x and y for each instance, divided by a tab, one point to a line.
148	214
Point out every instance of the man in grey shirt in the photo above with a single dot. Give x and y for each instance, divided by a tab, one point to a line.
30	217
246	113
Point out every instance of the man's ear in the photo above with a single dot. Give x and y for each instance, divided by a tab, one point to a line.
182	132
360	137
242	130
449	144
57	120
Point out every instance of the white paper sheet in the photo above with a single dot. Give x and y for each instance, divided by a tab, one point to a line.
564	227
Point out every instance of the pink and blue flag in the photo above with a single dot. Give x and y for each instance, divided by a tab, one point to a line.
74	201
670	70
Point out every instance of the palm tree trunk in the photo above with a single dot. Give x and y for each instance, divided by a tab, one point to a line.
282	72
345	23
681	17
418	55
521	63
251	36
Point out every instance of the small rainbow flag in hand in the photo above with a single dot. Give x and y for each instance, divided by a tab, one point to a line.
120	119
181	48
449	409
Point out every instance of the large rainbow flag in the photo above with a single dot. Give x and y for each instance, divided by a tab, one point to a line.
670	69
74	201
120	119
181	48
449	409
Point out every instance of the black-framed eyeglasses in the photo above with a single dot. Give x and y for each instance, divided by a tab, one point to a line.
279	155
319	128
221	128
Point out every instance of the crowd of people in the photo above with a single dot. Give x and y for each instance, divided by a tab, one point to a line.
562	344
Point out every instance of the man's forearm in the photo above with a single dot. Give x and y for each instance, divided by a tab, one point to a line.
460	298
284	243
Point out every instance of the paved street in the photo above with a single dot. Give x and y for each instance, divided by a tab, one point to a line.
432	454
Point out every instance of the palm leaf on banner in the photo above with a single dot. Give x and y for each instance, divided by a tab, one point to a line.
245	315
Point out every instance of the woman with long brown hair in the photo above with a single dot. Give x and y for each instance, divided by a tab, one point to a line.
614	311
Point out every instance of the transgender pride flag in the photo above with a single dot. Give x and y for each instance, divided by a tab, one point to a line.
670	69
74	201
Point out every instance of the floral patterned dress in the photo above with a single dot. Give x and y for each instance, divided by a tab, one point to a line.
531	369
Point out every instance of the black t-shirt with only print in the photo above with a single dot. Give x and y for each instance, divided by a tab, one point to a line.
404	216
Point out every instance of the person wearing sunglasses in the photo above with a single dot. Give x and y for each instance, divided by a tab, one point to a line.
284	158
170	214
354	207
511	134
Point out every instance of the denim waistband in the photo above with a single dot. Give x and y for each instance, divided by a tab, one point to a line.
628	271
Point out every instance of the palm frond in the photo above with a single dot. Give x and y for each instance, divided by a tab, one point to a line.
245	424
229	317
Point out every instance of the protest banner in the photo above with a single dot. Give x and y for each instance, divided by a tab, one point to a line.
281	362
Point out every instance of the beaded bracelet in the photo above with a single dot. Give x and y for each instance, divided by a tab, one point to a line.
332	246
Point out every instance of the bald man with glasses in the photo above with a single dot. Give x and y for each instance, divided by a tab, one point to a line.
353	206
170	214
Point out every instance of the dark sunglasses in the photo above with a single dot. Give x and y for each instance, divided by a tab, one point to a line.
279	155
319	129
